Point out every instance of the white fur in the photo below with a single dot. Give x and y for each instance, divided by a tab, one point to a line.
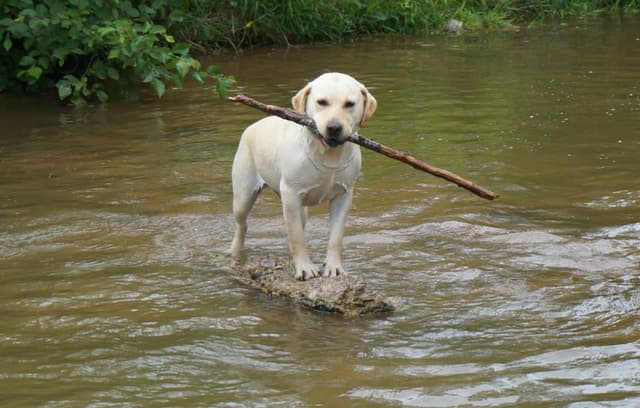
303	169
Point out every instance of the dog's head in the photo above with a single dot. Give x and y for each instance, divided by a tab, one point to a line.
337	103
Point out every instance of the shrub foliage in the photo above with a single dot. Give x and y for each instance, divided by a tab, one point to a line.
89	48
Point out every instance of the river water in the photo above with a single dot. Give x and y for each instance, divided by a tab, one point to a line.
114	289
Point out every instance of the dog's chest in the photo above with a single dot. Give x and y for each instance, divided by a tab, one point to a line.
326	186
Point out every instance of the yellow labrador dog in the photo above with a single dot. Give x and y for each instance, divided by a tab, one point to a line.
302	169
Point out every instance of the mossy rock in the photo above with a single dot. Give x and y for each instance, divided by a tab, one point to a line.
345	294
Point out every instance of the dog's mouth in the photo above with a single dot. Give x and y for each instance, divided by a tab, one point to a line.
334	133
331	142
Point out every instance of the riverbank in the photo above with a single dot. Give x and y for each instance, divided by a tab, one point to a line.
212	25
94	51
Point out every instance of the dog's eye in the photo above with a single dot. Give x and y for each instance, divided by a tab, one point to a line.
349	104
323	102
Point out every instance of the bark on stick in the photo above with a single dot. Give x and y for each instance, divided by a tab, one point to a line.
288	114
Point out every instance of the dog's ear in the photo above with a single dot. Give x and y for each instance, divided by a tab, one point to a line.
299	101
370	105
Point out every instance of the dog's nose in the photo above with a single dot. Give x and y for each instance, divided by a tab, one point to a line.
334	129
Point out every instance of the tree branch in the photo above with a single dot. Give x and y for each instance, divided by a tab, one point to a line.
370	144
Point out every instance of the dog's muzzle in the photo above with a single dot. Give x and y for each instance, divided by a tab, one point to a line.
334	135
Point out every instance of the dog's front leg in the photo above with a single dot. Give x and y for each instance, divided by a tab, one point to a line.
339	208
294	213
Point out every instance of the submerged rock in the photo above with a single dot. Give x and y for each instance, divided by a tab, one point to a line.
454	26
347	295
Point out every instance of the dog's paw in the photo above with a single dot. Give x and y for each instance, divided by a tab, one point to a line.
306	270
332	270
236	250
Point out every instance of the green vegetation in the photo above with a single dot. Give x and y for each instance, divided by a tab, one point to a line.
220	23
212	24
94	49
527	10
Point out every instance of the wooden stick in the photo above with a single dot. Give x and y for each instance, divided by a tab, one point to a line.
370	144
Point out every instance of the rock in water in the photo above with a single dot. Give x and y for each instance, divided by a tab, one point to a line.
347	295
454	26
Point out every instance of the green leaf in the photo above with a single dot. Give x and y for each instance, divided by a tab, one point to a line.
102	96
114	53
214	71
183	67
18	29
113	73
27	60
158	86
129	9
158	4
223	84
103	31
146	27
43	62
98	70
177	80
176	16
7	42
64	89
60	54
199	76
181	49
35	72
78	100
158	29
150	76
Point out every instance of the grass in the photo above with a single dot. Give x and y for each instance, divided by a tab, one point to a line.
560	9
215	24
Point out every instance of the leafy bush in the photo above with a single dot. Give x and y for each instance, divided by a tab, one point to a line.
90	48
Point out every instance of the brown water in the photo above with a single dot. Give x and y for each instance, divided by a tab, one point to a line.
113	220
